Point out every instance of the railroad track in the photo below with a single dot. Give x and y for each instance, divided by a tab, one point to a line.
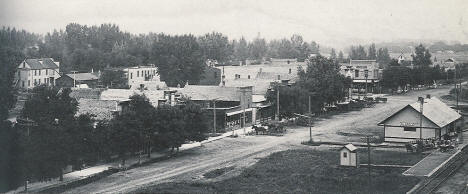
431	184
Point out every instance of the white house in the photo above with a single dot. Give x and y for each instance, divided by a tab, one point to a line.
348	155
405	125
34	72
141	74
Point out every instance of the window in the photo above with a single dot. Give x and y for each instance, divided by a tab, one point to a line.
131	75
410	129
45	81
345	155
46	71
35	72
29	82
248	76
356	73
138	73
35	82
39	72
39	81
53	72
22	83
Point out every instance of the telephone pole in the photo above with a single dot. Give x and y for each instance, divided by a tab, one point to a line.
369	163
277	103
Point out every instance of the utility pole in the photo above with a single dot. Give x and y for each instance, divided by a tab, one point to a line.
277	103
74	78
457	89
421	100
214	116
369	163
309	105
366	74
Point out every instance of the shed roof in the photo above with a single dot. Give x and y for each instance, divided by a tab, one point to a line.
434	110
83	76
199	92
350	147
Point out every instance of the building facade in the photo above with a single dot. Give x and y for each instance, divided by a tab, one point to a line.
408	124
364	73
35	72
141	74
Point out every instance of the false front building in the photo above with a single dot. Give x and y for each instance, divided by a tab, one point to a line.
408	124
364	73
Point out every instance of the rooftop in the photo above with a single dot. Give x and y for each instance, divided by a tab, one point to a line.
437	111
434	110
43	63
199	92
101	109
82	76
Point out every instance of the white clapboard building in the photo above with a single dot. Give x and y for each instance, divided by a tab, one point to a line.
437	118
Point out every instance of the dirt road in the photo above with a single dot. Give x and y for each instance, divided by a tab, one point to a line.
244	151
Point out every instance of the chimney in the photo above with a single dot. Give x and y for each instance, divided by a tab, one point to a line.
428	96
421	99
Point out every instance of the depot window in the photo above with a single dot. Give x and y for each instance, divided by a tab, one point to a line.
410	129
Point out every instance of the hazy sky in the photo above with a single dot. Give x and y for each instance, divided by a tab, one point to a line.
336	23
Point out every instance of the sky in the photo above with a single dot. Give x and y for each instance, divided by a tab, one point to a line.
336	23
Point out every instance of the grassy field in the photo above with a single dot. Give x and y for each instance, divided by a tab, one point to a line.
303	171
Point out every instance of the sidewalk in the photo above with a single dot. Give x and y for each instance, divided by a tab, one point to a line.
133	161
431	163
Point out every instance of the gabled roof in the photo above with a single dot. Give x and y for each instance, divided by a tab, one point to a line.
199	92
350	147
83	76
434	110
44	63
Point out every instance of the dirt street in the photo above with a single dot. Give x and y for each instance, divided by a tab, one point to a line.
245	151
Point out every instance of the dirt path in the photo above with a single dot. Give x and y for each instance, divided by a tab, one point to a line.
244	151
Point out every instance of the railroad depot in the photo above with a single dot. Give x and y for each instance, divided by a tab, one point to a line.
437	121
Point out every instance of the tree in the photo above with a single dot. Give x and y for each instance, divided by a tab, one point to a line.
371	53
422	56
257	48
358	53
48	144
383	57
179	59
333	54
241	50
113	79
341	57
134	126
215	46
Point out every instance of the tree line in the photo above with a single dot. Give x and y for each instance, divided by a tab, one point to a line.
82	48
50	136
381	55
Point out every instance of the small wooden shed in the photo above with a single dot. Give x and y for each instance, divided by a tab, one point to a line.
348	155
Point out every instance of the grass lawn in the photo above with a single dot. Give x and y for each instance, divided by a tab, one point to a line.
303	171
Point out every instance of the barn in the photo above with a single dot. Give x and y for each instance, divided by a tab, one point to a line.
408	124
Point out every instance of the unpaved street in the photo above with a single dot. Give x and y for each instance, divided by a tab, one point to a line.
244	151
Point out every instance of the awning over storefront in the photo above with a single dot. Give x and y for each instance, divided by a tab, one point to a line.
364	81
238	111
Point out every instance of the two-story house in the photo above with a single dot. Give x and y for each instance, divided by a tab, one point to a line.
34	72
364	73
